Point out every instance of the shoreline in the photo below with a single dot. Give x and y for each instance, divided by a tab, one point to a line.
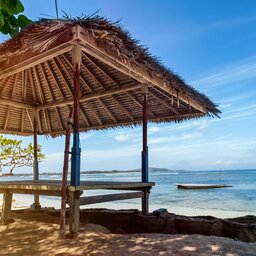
24	202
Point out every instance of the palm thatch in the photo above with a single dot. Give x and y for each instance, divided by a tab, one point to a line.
36	79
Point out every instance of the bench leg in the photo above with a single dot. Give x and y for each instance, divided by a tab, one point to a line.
7	206
145	200
74	211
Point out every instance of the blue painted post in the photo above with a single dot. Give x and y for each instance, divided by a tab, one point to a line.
76	150
144	153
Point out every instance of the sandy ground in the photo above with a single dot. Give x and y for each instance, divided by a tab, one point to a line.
38	234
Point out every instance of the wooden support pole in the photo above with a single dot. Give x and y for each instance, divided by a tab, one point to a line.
36	204
65	174
144	154
145	199
74	211
6	208
76	150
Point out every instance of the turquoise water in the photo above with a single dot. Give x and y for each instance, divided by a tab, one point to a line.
235	201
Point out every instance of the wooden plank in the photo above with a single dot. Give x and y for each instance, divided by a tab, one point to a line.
145	201
202	186
109	198
121	106
6	208
107	110
40	192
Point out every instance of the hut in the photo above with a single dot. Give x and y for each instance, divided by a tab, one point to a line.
97	69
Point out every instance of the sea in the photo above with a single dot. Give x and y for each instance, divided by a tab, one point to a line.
238	200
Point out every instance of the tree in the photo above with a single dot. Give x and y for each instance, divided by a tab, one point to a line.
13	155
11	21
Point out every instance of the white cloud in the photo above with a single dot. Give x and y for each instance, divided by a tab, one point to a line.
154	129
86	135
233	74
122	137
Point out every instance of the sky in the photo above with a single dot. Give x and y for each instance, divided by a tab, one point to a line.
212	45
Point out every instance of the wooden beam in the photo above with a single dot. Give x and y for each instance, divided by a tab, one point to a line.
81	76
139	104
59	119
91	47
30	120
94	113
85	116
109	198
123	108
15	104
103	71
38	84
6	118
46	81
164	103
6	208
31	80
6	85
107	110
39	58
91	96
57	63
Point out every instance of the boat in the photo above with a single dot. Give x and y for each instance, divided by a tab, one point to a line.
202	186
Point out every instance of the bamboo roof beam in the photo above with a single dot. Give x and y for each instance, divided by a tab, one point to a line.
139	104
81	76
91	96
84	116
15	104
32	85
94	113
59	118
122	107
58	62
30	120
46	81
96	65
107	110
6	118
6	85
54	78
165	103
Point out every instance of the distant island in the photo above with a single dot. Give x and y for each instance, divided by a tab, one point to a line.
152	169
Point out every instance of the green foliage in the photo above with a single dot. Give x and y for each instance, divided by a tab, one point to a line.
11	21
13	155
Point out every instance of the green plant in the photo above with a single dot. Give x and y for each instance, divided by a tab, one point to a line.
13	155
11	21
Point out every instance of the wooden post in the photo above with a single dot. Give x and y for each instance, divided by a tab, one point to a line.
144	153
145	199
74	211
7	206
76	150
36	204
65	174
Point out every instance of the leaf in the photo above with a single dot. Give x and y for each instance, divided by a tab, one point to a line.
23	21
1	19
14	6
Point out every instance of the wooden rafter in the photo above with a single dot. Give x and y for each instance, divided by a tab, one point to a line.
139	104
94	113
92	96
164	103
6	118
6	85
103	71
46	81
122	108
59	118
58	62
107	110
14	85
54	78
37	82
30	120
32	85
84	116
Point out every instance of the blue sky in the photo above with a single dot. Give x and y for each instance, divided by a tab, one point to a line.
212	45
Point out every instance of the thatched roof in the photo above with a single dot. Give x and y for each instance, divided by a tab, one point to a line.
36	78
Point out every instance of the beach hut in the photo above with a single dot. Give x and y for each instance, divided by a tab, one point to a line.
95	68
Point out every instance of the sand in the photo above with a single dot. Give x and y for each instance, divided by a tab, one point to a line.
38	234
